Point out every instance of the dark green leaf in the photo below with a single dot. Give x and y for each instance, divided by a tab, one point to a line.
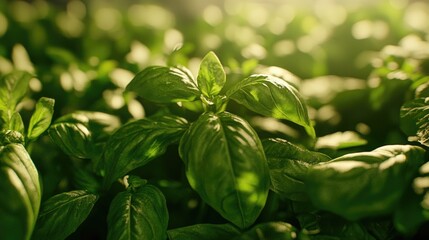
226	165
270	230
364	184
211	76
13	88
41	118
415	119
204	232
288	166
164	85
80	134
273	97
73	138
138	214
21	194
62	214
136	143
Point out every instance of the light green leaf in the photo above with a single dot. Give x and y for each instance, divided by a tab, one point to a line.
365	184
204	232
62	214
164	85
73	138
138	214
211	76
13	88
21	193
136	143
272	97
288	166
41	118
340	140
226	165
16	123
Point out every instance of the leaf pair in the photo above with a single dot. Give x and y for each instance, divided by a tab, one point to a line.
263	94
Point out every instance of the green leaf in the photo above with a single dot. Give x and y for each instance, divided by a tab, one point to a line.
21	193
415	119
16	123
41	118
272	97
204	232
288	166
138	214
164	85
270	230
211	76
73	138
81	134
10	136
62	214
136	143
364	184
13	88
226	165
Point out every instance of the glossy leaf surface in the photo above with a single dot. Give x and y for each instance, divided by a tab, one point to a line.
164	84
136	143
41	118
138	214
21	193
272	97
226	165
62	214
364	184
288	166
211	76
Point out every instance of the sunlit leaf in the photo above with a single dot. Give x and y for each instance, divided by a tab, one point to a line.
211	76
41	118
226	165
273	97
164	85
364	184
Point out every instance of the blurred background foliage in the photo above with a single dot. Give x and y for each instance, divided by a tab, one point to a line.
355	62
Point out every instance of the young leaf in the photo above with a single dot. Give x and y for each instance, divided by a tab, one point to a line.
136	143
364	184
13	88
226	165
41	118
204	232
415	119
288	166
21	193
164	85
272	97
10	136
211	76
138	214
16	123
62	214
270	230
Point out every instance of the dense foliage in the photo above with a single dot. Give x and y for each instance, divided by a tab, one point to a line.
221	120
